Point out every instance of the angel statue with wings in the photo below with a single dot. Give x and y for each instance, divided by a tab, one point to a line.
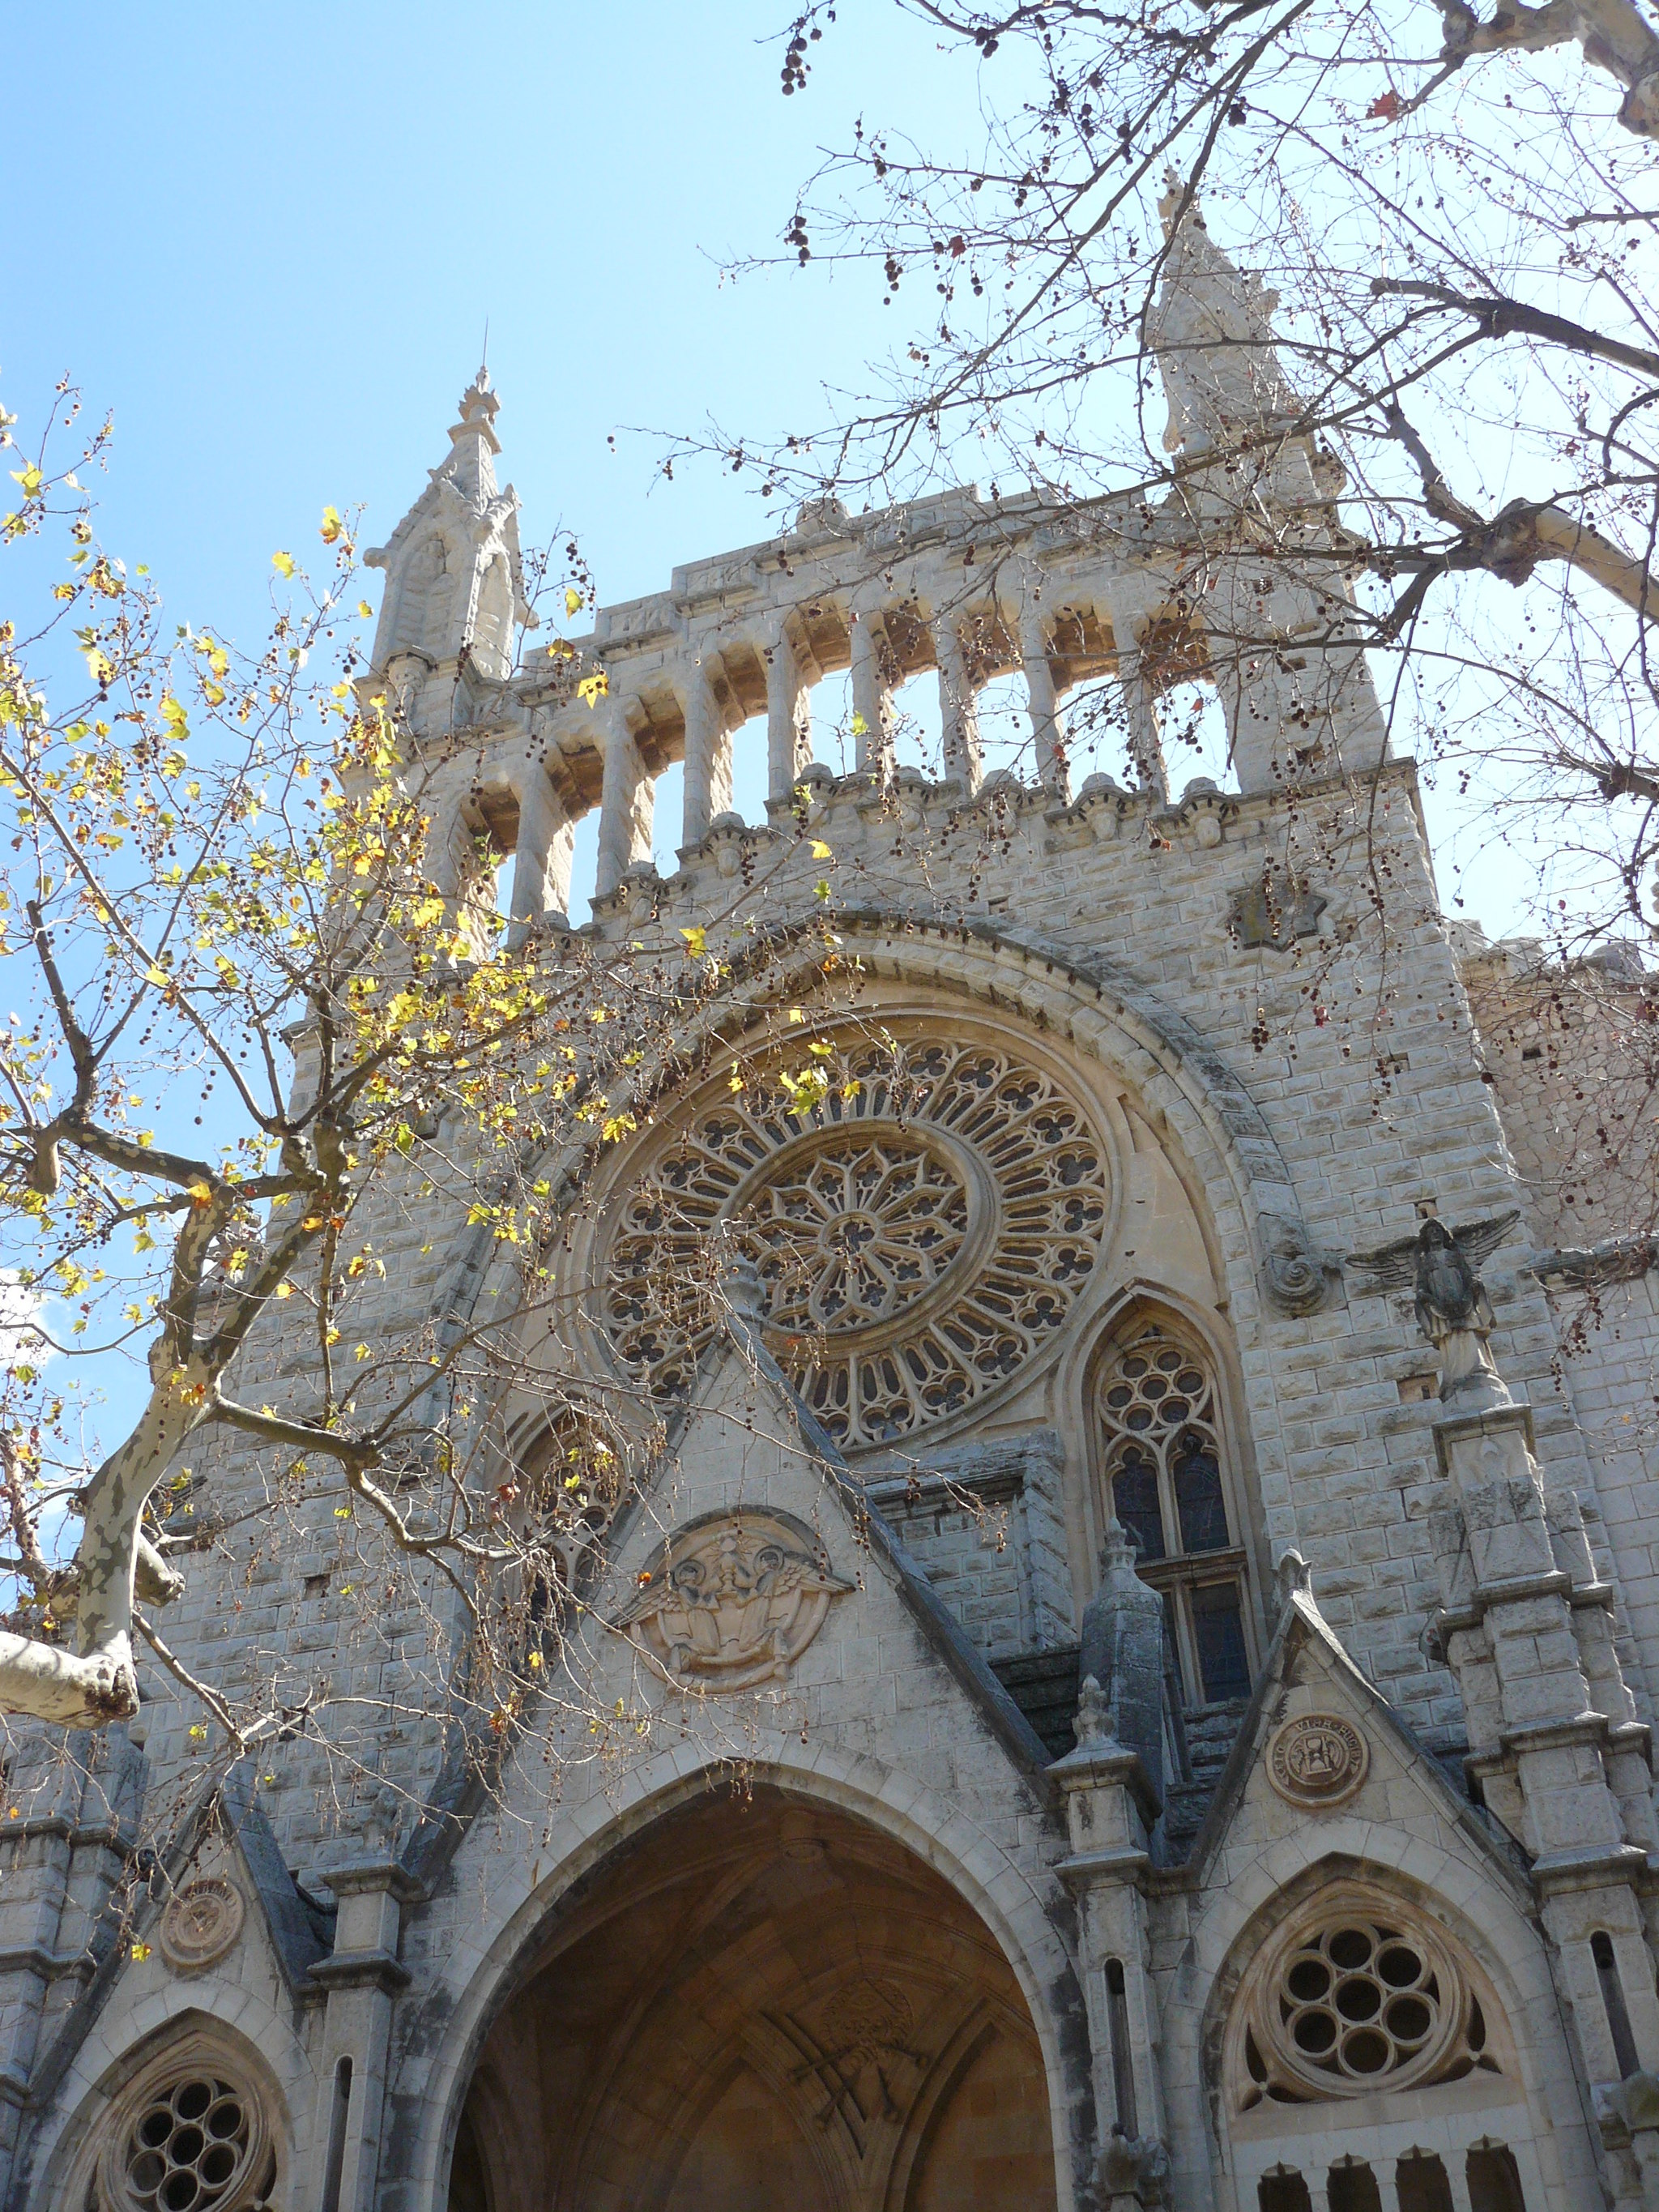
1453	1310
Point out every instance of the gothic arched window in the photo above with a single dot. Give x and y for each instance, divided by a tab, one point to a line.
1161	1459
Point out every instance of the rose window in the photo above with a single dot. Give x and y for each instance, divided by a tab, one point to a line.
189	2148
923	1215
854	1231
1349	2005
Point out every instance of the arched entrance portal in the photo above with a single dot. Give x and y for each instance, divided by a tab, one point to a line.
760	2003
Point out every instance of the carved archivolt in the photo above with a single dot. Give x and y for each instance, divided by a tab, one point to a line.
1352	1997
188	2135
923	1212
731	1601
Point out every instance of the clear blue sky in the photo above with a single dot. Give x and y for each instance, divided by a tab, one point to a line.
268	238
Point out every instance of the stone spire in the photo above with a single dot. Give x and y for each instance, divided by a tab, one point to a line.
472	463
1212	330
454	582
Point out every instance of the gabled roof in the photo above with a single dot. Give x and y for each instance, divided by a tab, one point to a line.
1303	1634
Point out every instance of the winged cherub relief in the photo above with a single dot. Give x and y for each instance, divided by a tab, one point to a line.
732	1601
1453	1310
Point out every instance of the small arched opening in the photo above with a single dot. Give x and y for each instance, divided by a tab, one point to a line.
760	2000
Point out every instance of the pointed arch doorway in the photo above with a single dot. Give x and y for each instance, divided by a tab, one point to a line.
760	2003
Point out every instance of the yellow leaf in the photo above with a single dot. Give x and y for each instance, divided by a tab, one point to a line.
572	600
140	1951
696	942
342	1513
820	850
594	687
364	609
285	1289
282	563
332	527
362	1352
173	715
30	478
796	1015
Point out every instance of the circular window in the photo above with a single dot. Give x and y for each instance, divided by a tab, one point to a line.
186	2136
923	1215
189	2147
1343	2003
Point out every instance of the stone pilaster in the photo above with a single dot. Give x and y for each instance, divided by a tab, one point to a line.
541	863
1531	1645
1110	1807
364	1976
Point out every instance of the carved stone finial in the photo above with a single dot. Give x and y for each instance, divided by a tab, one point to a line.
1117	1549
381	1814
1122	1661
1291	1574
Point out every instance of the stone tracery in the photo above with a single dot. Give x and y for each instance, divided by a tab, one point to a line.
188	2136
923	1214
1354	1996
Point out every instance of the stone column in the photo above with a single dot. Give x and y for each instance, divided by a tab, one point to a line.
363	1977
708	754
1110	1807
958	708
870	731
1131	603
789	717
625	803
540	859
1047	724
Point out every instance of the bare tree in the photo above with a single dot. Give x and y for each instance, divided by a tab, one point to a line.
1357	298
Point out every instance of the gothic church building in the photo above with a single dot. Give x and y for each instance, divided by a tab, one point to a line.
1147	1652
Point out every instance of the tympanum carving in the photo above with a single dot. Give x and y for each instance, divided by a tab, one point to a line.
732	1601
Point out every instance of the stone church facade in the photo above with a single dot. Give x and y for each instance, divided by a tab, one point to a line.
1139	1664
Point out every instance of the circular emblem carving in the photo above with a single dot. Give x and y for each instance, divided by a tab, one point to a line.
732	1601
201	1922
1319	1760
923	1214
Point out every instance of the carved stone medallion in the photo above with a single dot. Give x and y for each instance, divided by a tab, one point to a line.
1317	1759
201	1922
732	1601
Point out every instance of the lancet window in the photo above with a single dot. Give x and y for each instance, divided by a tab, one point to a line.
1163	1459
